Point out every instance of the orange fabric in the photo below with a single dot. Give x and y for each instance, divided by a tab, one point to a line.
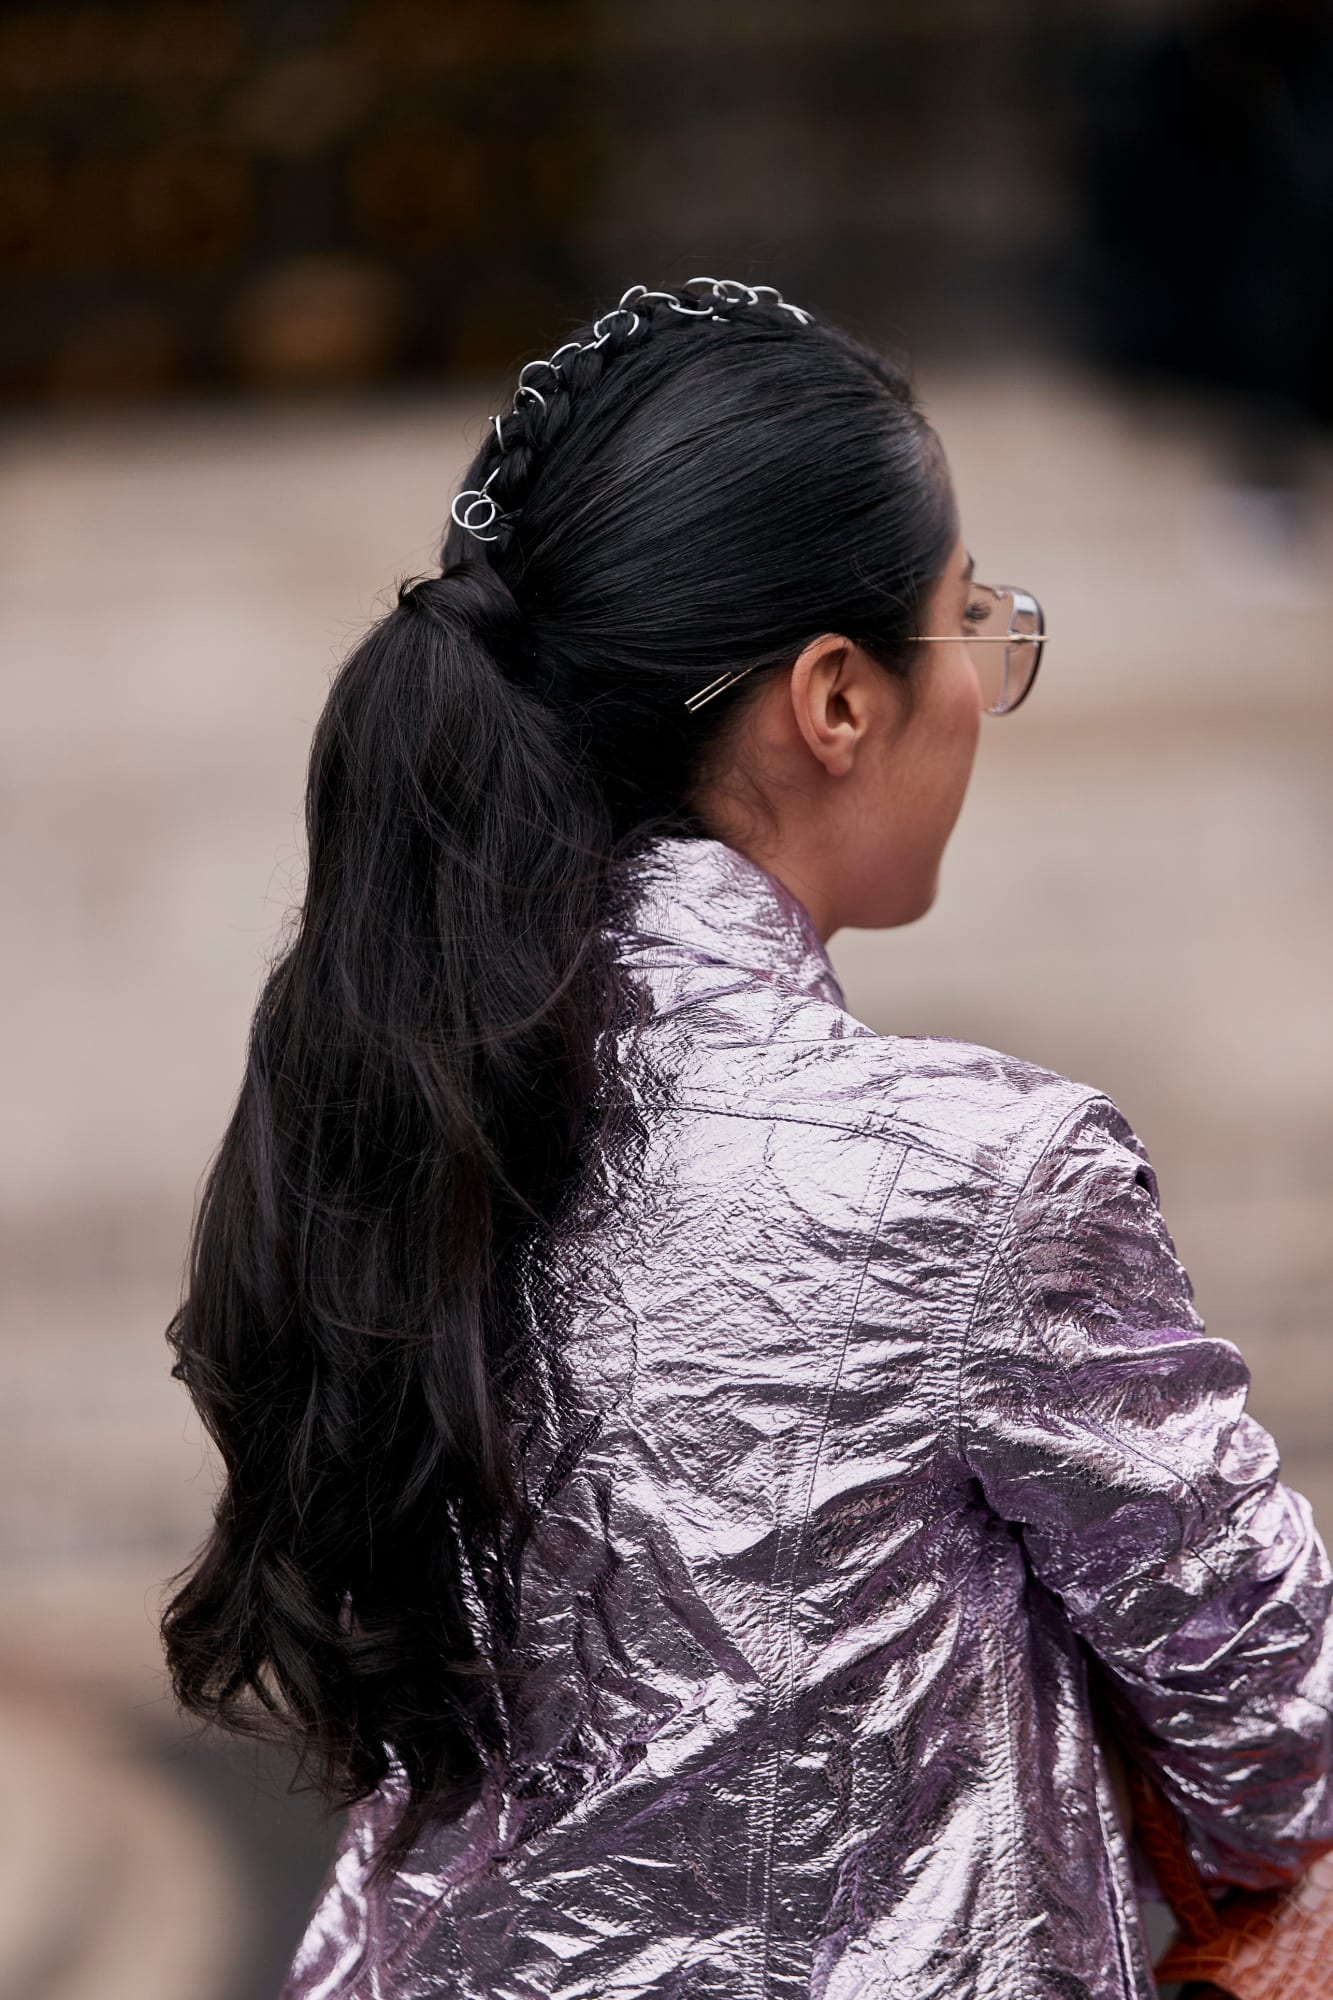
1277	1945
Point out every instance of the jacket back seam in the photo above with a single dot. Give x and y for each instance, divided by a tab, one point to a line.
799	1542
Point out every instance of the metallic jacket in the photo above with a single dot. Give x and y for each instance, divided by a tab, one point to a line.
903	1418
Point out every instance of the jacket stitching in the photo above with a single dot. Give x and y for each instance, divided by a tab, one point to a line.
999	1229
1126	1446
799	1531
872	1128
1113	1842
996	1683
995	1237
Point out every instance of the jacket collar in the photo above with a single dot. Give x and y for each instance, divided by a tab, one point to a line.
700	902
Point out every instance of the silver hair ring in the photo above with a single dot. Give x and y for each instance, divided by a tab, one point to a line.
701	309
478	497
540	362
617	312
666	298
728	291
770	295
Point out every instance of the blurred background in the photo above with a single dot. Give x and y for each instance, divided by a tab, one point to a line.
265	270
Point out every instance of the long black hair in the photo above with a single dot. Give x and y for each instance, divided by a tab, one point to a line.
430	1063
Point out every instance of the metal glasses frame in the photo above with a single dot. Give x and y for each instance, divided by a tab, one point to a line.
1024	603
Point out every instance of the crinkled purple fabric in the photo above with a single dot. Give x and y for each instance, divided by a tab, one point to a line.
904	1413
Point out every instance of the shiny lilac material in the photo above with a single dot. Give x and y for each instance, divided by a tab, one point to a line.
904	1412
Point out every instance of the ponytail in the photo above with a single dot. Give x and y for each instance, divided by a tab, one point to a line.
420	1063
378	1267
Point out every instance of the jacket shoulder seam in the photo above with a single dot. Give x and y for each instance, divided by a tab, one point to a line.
1000	1227
889	1129
871	1127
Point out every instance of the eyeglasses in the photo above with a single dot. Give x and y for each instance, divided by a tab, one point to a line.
1010	619
1005	633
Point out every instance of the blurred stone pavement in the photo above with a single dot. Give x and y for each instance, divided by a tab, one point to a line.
1139	894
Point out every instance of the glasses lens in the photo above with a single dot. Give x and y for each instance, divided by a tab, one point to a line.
1023	653
990	612
1009	629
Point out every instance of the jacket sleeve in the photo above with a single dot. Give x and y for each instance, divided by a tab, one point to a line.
1102	1420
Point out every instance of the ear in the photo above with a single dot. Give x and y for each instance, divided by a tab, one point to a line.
832	689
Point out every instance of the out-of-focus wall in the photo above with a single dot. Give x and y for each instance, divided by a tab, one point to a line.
213	194
206	194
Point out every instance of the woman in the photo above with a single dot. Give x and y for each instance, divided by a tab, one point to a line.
688	1456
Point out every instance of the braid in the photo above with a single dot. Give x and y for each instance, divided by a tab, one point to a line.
551	388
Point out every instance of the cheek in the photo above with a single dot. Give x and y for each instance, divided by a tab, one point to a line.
958	720
918	794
